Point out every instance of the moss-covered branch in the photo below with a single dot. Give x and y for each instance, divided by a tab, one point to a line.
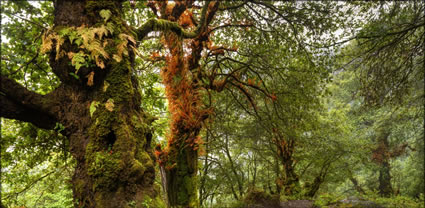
165	25
22	104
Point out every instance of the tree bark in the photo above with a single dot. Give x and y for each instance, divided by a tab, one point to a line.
385	187
19	103
109	133
232	167
112	143
183	92
186	121
290	180
382	156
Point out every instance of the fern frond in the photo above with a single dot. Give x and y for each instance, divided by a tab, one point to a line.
99	63
46	43
59	42
105	14
117	58
136	51
100	31
110	27
125	37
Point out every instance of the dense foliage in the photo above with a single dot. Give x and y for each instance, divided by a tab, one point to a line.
263	102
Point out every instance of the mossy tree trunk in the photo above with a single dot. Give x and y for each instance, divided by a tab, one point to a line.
109	132
181	165
311	189
385	188
182	80
91	51
288	180
382	156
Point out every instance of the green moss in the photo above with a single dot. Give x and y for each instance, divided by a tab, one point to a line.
79	186
120	87
145	159
137	168
59	28
111	49
190	183
140	124
93	7
158	203
104	166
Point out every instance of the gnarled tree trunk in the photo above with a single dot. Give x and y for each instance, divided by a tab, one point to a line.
289	180
181	77
97	102
108	131
186	121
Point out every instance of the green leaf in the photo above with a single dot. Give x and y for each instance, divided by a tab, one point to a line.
105	14
64	32
78	41
59	127
74	75
72	36
93	107
78	60
110	27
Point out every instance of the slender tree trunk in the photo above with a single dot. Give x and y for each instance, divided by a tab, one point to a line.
203	196
357	185
233	168
318	181
108	131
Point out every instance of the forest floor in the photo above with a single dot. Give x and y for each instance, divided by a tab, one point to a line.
297	204
288	204
310	204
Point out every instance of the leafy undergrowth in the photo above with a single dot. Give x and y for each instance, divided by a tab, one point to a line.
257	198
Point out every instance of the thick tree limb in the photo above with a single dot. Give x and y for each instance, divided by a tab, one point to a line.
19	103
154	24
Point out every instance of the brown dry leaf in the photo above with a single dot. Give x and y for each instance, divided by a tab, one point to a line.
90	78
100	63
109	105
105	86
70	55
117	58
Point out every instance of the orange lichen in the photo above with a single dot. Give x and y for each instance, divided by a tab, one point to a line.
154	55
273	97
185	105
169	8
185	19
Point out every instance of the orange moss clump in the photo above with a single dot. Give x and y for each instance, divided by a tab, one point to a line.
186	19
273	97
183	95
